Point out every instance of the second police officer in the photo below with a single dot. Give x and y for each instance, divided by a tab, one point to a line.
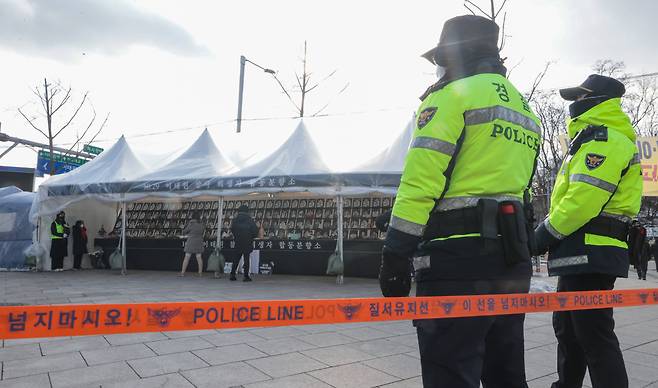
461	198
597	192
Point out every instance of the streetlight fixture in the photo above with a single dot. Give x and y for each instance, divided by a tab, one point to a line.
243	61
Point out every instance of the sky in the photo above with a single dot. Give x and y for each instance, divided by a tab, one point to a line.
164	69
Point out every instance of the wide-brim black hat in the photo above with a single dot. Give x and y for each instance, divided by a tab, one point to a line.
595	85
463	37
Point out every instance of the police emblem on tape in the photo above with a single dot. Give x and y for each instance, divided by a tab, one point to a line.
425	117
350	310
163	316
592	161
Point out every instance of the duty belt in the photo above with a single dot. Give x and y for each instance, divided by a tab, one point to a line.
454	222
608	227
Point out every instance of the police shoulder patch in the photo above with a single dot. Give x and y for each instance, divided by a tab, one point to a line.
425	116
593	161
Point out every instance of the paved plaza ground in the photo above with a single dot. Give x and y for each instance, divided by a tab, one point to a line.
355	355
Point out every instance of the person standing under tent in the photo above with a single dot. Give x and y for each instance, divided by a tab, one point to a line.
194	244
59	242
79	243
244	231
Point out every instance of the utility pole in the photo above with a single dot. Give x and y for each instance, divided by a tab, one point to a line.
240	91
243	61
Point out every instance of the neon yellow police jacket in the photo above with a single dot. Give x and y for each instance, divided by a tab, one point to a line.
603	177
484	127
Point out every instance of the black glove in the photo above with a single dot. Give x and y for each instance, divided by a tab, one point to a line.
394	274
543	240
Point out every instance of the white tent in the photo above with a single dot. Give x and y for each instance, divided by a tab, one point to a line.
118	176
295	166
382	173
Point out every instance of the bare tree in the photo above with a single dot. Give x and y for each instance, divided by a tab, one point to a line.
54	100
491	14
641	99
304	86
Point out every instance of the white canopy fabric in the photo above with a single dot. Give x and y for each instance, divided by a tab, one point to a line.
97	179
382	173
201	160
119	175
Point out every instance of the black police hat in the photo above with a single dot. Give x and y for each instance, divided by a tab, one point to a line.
465	36
595	85
243	209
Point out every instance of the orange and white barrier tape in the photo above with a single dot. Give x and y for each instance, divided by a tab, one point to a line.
92	319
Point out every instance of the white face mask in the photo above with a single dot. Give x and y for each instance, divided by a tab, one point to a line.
440	71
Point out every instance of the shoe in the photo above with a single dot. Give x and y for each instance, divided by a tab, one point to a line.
180	275
233	278
246	279
200	274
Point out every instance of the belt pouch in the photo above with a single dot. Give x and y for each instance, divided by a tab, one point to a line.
512	226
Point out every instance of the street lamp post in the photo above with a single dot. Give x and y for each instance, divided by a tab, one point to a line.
243	61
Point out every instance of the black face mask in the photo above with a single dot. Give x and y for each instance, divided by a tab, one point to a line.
579	107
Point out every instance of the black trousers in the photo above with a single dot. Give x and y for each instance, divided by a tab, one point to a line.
642	267
77	260
236	260
461	352
58	250
586	339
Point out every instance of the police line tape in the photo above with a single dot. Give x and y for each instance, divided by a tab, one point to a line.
91	319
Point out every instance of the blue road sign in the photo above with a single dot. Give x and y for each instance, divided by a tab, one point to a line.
61	167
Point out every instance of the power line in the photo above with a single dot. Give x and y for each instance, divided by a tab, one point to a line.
217	123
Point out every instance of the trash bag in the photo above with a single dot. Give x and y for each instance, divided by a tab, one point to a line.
116	259
33	254
96	258
335	265
216	261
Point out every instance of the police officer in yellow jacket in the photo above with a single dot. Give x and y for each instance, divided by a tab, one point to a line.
597	192
459	209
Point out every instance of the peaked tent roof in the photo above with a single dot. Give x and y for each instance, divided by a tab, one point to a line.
201	160
103	174
392	158
116	164
298	155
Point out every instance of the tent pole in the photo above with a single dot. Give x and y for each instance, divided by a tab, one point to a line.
123	238
339	241
220	217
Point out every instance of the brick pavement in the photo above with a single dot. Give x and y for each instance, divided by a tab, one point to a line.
351	355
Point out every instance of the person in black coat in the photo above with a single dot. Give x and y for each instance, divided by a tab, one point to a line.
59	243
79	243
244	231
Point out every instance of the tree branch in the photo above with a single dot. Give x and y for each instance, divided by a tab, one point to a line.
100	129
285	91
476	6
64	101
84	98
31	123
466	6
500	9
